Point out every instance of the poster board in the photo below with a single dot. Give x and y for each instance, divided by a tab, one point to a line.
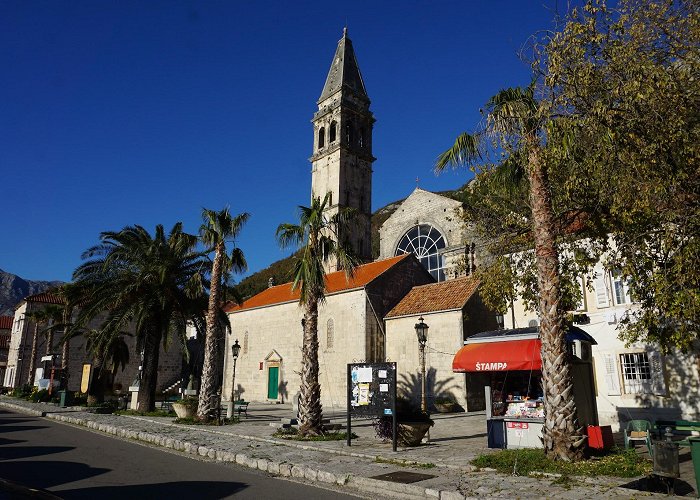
85	381
371	393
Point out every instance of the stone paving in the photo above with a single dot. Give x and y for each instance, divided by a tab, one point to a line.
455	440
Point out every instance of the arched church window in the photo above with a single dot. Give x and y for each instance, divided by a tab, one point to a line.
245	343
329	333
361	138
332	132
321	137
426	243
348	133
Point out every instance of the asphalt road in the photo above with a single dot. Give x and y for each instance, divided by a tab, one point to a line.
75	463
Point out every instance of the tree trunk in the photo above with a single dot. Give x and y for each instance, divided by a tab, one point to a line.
208	400
310	410
561	434
65	352
149	374
32	357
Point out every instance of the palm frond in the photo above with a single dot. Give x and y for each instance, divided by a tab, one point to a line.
465	151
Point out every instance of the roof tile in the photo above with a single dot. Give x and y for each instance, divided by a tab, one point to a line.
443	296
335	282
6	322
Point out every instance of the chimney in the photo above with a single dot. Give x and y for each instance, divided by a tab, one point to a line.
270	282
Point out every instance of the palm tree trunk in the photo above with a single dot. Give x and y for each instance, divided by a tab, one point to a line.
149	374
32	357
561	434
310	410
65	352
212	342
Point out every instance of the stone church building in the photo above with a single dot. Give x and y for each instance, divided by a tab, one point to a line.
370	317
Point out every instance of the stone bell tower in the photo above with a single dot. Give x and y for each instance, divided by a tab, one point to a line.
342	157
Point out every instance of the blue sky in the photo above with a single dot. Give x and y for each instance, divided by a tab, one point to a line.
118	113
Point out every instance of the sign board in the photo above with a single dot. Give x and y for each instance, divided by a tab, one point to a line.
85	381
371	393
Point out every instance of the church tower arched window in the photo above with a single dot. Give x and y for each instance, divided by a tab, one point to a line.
426	243
332	132
348	133
321	137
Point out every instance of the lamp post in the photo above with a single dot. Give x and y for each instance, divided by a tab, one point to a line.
422	334
235	350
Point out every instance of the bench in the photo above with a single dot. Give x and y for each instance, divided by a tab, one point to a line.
682	428
239	406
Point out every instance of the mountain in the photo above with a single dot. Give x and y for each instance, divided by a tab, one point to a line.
13	289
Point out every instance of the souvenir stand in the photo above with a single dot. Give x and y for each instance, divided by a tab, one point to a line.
514	399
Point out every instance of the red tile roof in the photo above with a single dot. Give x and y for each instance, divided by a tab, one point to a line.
6	322
443	296
335	282
44	298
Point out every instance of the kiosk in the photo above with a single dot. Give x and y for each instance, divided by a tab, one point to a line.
513	390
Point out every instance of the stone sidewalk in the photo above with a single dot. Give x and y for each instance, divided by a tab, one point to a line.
455	440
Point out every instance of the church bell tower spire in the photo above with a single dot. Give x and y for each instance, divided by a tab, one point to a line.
342	157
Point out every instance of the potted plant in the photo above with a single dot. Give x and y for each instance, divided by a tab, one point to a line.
445	404
412	424
186	407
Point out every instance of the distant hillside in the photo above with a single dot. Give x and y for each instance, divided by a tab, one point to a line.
281	271
13	289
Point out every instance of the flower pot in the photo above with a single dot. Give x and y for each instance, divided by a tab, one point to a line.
445	407
412	433
184	411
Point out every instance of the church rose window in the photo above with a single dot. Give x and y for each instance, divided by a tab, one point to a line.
425	242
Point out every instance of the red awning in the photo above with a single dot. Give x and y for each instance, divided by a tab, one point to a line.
499	356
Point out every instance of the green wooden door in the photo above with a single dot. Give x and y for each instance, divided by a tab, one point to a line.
273	373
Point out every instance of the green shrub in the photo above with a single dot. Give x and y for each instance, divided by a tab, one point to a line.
617	463
41	396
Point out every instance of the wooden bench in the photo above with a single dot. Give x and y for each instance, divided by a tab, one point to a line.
240	406
682	428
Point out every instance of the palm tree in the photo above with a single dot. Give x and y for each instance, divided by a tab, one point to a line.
318	235
218	229
43	316
109	352
519	122
149	284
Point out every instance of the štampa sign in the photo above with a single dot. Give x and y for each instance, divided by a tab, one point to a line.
491	367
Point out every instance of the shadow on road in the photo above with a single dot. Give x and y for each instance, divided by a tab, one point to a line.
201	490
46	474
15	452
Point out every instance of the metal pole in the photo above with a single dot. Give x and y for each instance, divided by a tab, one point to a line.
349	397
233	381
423	405
393	408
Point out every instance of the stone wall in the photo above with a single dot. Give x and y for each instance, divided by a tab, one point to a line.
274	338
445	336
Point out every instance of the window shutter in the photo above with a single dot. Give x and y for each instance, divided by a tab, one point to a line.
658	381
611	376
601	290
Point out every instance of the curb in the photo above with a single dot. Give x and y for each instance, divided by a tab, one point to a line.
292	444
281	469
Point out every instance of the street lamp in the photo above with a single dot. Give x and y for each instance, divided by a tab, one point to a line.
235	350
422	334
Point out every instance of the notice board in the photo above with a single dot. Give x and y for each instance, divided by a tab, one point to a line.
371	392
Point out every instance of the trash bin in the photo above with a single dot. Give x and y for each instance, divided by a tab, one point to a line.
695	453
64	398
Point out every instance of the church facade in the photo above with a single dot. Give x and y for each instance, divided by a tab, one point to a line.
423	244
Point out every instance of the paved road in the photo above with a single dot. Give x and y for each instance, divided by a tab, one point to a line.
74	463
